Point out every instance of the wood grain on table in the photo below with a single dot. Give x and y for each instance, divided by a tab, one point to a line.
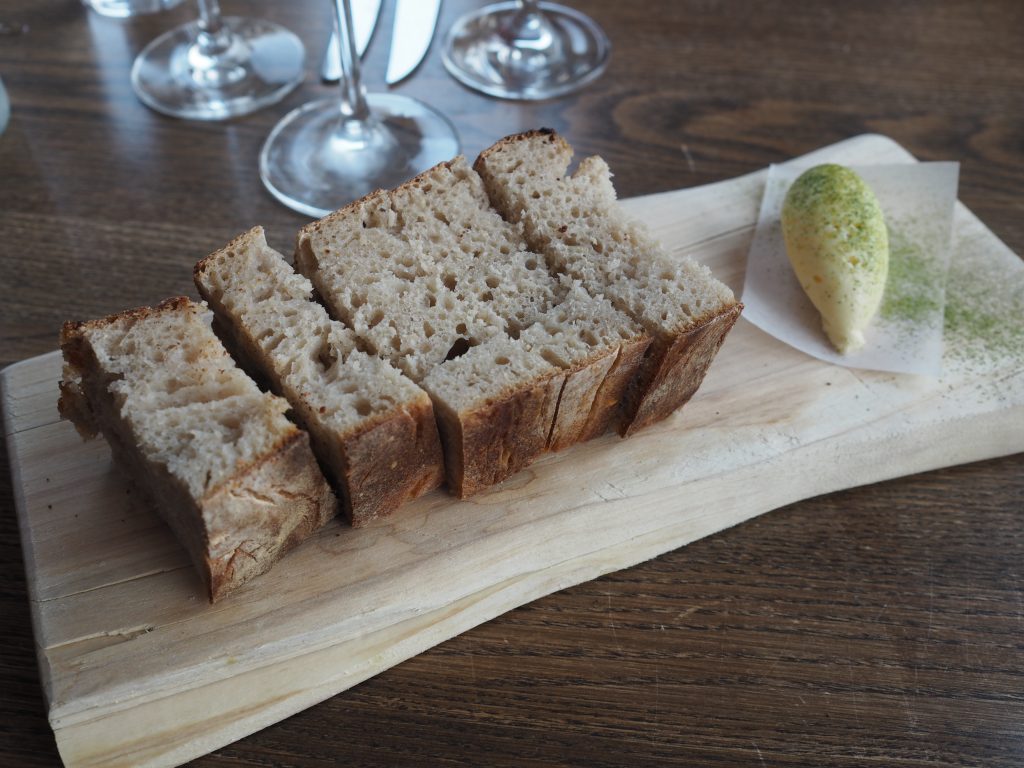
879	625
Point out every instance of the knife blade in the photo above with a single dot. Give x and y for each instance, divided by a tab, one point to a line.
415	21
364	19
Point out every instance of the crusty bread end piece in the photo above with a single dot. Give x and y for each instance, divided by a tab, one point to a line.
372	428
235	480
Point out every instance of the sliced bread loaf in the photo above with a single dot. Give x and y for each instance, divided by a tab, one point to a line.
372	427
234	479
575	222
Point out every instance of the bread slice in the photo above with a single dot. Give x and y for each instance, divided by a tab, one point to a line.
429	274
575	222
234	479
372	428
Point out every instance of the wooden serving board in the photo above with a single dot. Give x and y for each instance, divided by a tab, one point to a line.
140	671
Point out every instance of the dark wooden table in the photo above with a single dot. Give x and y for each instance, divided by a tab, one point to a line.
877	626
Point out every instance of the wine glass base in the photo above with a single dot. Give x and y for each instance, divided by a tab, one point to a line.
262	66
481	53
310	164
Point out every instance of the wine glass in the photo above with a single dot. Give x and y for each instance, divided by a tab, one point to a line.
329	152
218	67
525	49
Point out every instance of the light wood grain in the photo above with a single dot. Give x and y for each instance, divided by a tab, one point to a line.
139	670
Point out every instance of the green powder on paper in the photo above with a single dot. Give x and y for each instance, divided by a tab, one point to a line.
914	289
981	325
984	307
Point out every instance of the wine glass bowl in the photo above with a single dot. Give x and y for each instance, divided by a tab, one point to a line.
526	50
316	159
217	68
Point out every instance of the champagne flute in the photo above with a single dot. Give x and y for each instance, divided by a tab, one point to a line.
525	49
330	152
218	67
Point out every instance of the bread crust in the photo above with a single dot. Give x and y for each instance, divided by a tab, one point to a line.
577	397
393	460
487	444
294	501
612	398
674	368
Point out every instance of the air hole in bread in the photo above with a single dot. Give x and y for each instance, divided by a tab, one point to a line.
502	360
550	356
428	329
449	281
376	318
326	356
492	281
363	406
486	296
531	263
458	349
460	328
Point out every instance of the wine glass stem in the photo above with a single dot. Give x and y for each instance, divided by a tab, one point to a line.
213	38
529	27
354	110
